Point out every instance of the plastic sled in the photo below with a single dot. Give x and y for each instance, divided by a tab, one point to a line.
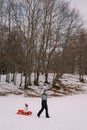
21	112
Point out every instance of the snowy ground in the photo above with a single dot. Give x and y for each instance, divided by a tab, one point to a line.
71	85
66	113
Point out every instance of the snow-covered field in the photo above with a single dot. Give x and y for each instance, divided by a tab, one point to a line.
66	113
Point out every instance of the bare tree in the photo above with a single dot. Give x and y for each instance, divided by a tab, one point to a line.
81	54
69	27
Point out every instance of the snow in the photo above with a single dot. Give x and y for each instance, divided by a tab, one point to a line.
68	80
66	113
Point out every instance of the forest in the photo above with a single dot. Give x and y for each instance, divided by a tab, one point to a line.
41	37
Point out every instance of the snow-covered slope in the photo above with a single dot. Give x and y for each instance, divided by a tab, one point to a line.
70	85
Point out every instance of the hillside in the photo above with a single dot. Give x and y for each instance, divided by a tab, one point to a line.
69	85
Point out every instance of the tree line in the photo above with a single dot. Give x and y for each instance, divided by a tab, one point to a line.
41	36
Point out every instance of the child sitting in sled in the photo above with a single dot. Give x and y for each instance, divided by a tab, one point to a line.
25	111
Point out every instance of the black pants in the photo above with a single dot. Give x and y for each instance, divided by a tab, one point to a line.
44	106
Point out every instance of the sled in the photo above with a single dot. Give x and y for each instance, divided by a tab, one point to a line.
21	112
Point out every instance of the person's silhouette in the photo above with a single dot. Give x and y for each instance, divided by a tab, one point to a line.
44	105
